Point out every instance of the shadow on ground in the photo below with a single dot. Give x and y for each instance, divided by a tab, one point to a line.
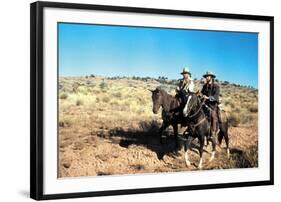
245	159
146	135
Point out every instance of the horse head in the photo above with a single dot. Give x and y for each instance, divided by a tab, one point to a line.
156	99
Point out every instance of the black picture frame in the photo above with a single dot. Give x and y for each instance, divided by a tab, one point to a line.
36	98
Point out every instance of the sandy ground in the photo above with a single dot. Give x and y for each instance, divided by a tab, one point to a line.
127	152
106	127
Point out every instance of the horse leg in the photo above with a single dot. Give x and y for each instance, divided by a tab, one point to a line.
186	149
220	137
175	128
213	140
224	134
162	128
201	141
226	138
206	142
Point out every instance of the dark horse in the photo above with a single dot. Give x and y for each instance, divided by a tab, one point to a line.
170	111
199	127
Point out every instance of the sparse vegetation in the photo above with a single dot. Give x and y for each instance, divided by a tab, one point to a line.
63	96
103	85
105	99
79	102
117	94
244	159
65	122
99	117
253	109
234	119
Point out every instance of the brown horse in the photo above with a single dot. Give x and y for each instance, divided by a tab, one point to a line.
170	111
199	127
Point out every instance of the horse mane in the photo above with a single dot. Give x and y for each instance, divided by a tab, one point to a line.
163	92
170	102
199	104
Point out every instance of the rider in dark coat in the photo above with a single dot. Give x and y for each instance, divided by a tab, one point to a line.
211	92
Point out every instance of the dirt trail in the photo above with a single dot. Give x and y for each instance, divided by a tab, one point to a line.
127	152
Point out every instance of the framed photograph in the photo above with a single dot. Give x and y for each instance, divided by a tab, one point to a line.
128	100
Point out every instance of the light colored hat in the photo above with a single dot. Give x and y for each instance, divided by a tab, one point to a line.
209	73
186	71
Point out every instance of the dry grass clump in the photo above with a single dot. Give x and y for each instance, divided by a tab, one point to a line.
106	99
78	99
254	108
63	96
234	119
241	103
79	102
117	94
247	118
103	85
229	102
65	122
245	159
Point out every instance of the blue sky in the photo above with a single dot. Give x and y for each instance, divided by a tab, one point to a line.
135	51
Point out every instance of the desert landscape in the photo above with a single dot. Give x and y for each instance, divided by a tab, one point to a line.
107	127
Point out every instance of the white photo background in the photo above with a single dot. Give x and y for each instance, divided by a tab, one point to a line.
52	184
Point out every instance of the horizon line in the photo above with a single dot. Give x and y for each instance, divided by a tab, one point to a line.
155	78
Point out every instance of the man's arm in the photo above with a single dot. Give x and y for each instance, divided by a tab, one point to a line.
215	96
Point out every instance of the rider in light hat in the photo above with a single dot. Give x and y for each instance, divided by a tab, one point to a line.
185	86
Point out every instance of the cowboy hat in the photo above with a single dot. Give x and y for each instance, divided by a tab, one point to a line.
208	73
186	71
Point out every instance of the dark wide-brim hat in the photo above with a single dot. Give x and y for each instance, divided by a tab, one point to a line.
185	71
208	73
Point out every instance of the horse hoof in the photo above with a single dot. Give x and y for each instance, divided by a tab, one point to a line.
187	163
212	157
228	153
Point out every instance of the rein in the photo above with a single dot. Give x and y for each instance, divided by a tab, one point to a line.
201	121
193	115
